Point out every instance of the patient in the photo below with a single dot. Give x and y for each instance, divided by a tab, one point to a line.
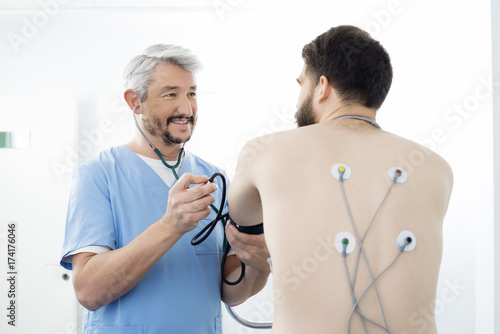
320	188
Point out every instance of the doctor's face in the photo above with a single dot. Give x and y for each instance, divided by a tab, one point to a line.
170	110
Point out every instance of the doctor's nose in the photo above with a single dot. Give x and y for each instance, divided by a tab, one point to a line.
186	108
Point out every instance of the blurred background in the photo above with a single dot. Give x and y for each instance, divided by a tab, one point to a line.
61	102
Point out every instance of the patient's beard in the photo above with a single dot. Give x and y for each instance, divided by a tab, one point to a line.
305	115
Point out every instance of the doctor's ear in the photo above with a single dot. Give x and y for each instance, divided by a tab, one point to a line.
132	100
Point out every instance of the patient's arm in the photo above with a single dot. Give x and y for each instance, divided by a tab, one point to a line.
250	249
246	210
244	202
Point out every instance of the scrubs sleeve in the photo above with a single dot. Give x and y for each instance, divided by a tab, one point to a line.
89	219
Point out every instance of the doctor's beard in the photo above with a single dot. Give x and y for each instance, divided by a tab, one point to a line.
157	128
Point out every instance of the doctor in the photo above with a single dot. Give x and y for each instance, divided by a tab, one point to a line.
130	223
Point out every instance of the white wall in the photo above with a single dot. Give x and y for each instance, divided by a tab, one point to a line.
495	27
441	95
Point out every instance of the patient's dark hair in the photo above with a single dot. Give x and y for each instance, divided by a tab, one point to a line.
356	65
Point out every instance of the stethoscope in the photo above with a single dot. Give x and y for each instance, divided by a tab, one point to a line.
157	151
207	230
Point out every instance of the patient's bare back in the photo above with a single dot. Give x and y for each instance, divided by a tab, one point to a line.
353	221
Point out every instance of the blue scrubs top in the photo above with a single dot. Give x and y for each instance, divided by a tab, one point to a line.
114	198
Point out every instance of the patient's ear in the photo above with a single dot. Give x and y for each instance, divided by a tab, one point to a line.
325	89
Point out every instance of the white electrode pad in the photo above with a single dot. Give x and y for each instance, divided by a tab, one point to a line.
336	170
401	174
340	242
406	238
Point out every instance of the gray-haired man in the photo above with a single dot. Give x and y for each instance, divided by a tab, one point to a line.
130	221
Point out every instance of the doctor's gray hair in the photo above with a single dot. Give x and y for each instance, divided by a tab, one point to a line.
137	74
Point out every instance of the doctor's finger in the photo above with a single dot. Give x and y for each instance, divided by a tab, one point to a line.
200	203
198	192
237	237
187	179
200	215
250	255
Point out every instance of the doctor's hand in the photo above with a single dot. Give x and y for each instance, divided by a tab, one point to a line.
251	249
186	207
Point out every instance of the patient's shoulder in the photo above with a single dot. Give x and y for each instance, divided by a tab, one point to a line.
427	162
